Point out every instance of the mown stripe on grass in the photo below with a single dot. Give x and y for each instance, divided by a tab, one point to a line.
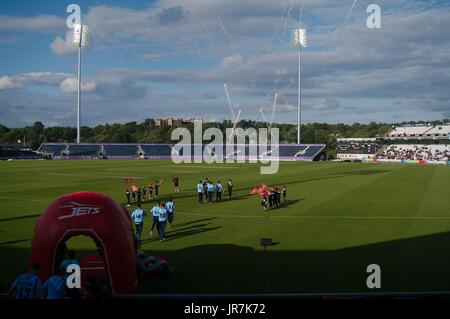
320	217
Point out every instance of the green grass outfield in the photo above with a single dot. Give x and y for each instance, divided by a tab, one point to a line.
340	217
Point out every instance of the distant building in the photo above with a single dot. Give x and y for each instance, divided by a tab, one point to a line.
171	121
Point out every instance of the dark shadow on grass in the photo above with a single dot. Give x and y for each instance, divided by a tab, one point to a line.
415	264
177	228
289	202
180	234
195	221
7	219
176	232
363	172
14	241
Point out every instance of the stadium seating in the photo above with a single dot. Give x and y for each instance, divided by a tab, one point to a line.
438	152
67	151
84	149
156	150
121	150
52	149
310	151
409	131
18	154
439	130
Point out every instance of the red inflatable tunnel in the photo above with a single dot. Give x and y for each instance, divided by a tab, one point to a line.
97	216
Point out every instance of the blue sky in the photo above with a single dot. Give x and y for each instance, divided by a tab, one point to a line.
172	57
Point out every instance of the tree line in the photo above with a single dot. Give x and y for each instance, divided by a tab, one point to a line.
147	132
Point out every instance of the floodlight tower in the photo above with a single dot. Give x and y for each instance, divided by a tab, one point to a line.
299	40
80	39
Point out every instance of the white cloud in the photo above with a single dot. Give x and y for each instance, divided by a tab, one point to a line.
150	56
40	23
20	80
328	105
246	45
64	45
70	85
231	61
7	82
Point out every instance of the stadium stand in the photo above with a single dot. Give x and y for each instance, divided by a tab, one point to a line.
120	150
357	148
426	144
409	131
52	149
439	131
84	149
11	153
157	150
306	152
438	152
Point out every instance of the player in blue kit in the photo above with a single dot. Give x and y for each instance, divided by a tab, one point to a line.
170	207
200	192
138	217
27	286
155	214
71	260
162	217
210	189
55	286
218	188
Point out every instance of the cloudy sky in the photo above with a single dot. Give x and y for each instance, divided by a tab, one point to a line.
172	57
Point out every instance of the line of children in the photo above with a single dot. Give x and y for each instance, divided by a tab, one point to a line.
272	196
139	196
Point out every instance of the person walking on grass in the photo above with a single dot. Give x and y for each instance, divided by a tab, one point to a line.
155	214
205	189
139	197
271	192
55	286
128	195
150	190
170	207
162	217
230	188
133	196
156	188
27	286
144	193
218	188
278	196
210	189
176	182
264	202
138	217
200	192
